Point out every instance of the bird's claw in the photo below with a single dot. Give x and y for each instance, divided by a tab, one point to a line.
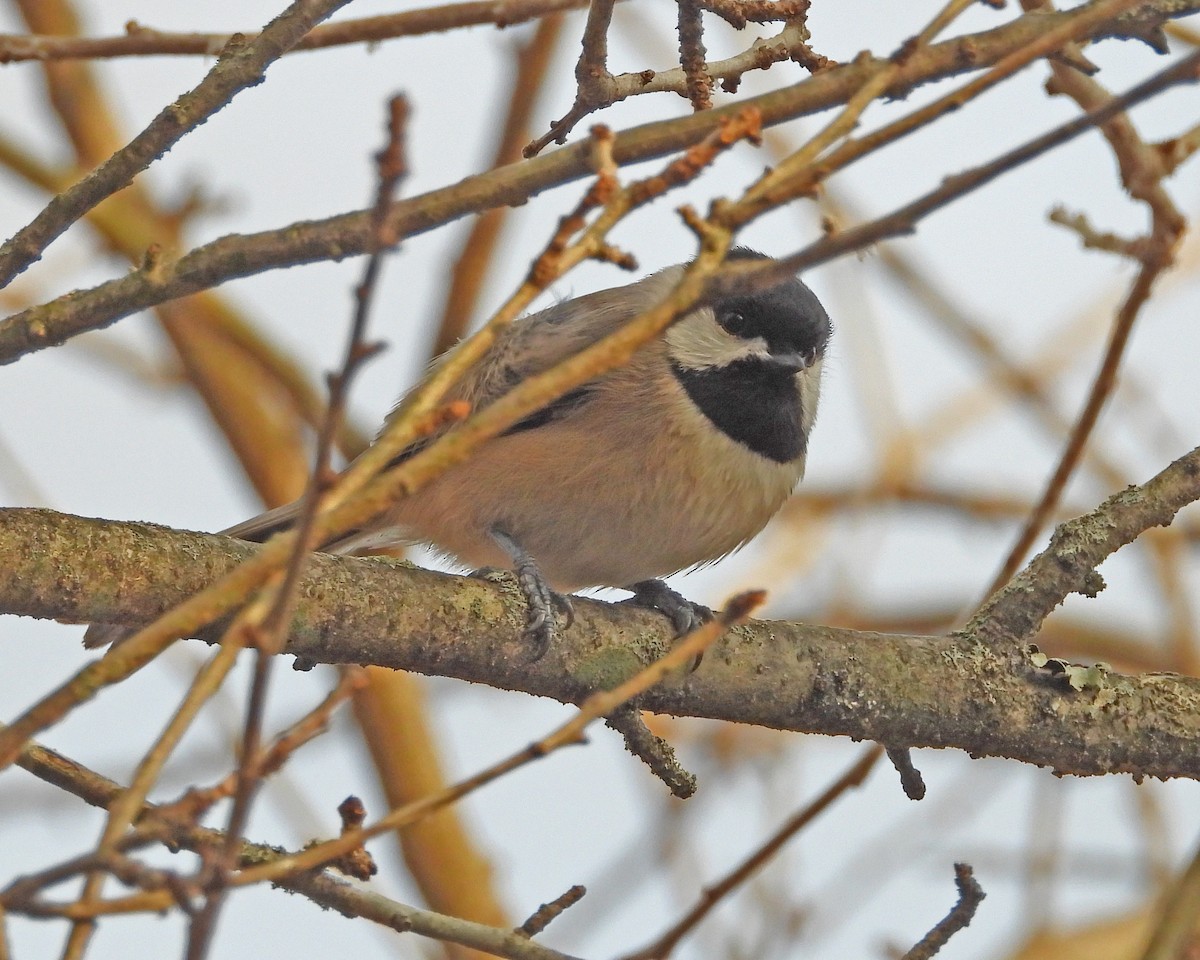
684	614
544	604
545	608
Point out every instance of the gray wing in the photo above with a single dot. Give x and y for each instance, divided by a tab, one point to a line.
542	340
528	347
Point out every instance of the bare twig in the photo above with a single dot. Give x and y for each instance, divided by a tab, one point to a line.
692	55
911	780
970	896
142	41
123	810
595	706
320	888
195	802
271	632
547	913
240	66
798	174
652	750
661	948
592	79
1094	239
903	220
235	256
738	13
791	43
1142	172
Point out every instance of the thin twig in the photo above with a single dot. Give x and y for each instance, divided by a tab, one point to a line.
142	41
197	801
322	889
271	633
1142	172
903	220
799	174
652	750
531	63
547	913
123	811
240	66
592	79
692	55
970	896
911	780
236	256
738	13
595	706
661	948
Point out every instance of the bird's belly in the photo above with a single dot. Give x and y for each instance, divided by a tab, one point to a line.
597	514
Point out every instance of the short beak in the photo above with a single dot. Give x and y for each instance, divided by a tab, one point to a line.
792	362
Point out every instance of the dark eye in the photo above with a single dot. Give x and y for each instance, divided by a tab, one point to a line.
733	320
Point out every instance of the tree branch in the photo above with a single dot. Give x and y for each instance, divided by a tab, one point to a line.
142	41
240	65
319	886
976	691
350	234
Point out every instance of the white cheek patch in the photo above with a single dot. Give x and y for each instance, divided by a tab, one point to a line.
698	342
810	393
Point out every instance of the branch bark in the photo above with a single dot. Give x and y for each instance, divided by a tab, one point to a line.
976	691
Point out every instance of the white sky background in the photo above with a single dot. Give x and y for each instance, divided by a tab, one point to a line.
299	147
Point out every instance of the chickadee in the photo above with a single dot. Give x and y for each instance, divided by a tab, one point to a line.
670	462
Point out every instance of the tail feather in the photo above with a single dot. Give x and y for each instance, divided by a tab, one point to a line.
102	634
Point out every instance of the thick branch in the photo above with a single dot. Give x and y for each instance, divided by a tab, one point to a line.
972	691
350	234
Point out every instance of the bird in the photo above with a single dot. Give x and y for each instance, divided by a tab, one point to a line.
666	464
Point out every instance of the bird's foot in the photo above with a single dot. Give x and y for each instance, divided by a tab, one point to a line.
685	616
545	605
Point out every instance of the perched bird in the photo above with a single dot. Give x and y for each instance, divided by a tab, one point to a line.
670	462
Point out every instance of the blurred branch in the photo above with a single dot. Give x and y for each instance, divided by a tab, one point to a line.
141	41
970	896
974	690
241	65
321	888
264	624
349	234
256	394
711	895
531	62
1142	173
1174	934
